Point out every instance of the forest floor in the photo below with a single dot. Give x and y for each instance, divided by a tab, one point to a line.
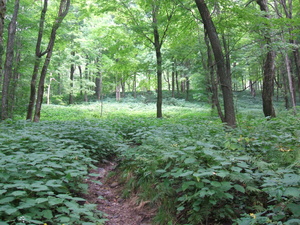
107	194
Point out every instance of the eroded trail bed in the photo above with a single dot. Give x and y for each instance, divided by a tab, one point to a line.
106	193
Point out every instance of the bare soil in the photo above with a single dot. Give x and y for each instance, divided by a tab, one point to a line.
107	195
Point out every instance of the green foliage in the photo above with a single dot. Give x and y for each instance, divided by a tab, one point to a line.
202	174
193	170
43	167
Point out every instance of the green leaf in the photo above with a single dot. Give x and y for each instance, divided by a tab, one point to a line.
55	201
292	222
19	193
41	200
180	208
2	191
47	214
3	223
239	188
190	160
292	191
29	202
186	174
215	184
54	183
187	184
225	186
64	219
295	209
11	211
7	200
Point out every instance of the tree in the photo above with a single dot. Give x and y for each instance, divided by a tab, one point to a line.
269	67
62	12
225	79
38	56
2	17
8	66
151	21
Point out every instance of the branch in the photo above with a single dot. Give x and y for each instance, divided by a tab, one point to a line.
136	22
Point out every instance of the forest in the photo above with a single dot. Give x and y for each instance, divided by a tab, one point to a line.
195	101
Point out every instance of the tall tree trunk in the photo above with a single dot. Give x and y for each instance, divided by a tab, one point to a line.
118	94
167	79
173	80
225	79
177	82
290	79
187	91
86	73
213	80
72	71
63	10
134	85
123	86
38	56
99	86
14	84
8	66
80	77
269	69
157	46
2	17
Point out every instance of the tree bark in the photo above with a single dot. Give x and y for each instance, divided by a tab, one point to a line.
290	79
72	71
269	70
157	46
63	10
173	80
8	66
2	17
213	80
225	79
38	56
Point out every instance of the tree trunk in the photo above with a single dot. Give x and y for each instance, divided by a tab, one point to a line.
213	80
8	66
2	17
86	73
134	85
157	46
72	71
80	77
38	55
225	79
14	85
290	79
99	86
187	91
269	70
63	10
118	94
173	80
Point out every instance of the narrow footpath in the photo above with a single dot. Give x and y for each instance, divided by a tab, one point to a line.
106	193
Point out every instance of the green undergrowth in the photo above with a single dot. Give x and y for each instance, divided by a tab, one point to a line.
43	167
201	174
187	165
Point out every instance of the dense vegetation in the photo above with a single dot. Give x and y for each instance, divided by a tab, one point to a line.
242	168
187	165
82	51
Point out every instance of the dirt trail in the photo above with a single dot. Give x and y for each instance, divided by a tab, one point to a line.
119	211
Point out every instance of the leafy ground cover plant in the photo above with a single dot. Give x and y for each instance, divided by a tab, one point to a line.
42	169
201	174
187	164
